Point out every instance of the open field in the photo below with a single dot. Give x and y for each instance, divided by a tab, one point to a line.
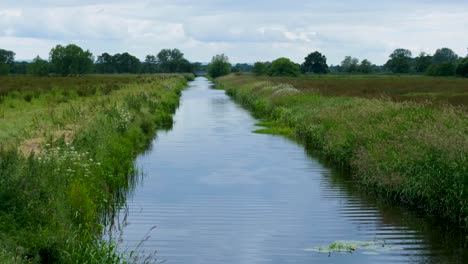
67	147
440	90
412	153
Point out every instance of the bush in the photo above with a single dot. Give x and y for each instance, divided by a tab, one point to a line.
284	67
462	69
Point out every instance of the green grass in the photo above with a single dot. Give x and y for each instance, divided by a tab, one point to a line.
409	152
66	162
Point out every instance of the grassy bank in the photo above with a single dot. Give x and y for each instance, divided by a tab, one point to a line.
408	152
66	161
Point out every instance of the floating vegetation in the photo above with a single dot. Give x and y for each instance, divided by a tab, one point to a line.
349	246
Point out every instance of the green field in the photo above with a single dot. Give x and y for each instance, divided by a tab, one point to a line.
67	147
406	138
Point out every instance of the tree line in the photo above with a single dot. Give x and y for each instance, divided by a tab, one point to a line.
72	60
444	62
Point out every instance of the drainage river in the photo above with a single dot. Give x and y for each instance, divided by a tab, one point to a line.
214	192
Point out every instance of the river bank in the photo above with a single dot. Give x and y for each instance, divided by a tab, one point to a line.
67	162
408	152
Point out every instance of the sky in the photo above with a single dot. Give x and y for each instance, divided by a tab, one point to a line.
244	30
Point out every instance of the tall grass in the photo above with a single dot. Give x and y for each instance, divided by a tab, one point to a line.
437	90
56	199
408	152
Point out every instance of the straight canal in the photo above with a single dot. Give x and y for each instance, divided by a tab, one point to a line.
218	193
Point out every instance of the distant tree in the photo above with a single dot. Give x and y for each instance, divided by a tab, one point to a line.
105	64
284	67
315	62
126	63
172	60
199	68
261	68
7	60
444	55
39	67
219	66
151	64
71	60
422	62
242	67
462	68
349	64
400	61
365	67
442	69
20	67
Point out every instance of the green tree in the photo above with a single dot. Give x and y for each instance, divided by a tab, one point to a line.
71	60
444	55
261	68
462	68
400	61
422	62
20	67
172	60
7	60
105	63
442	69
349	64
242	67
151	64
39	67
219	66
284	67
315	62
365	67
126	63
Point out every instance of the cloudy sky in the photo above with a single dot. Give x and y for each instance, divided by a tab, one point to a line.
245	30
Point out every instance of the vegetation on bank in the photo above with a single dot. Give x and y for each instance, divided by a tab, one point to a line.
67	163
413	153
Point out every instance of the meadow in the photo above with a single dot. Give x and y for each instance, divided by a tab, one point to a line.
403	138
67	147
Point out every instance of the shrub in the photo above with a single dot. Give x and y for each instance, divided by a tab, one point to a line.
284	67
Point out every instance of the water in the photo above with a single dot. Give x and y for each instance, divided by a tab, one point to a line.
218	193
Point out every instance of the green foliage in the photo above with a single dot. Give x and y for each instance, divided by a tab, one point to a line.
171	61
400	61
365	67
441	69
444	55
4	69
39	67
422	62
462	68
261	68
315	62
71	60
242	67
284	67
219	66
350	64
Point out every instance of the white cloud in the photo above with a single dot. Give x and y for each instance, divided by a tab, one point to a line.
246	31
